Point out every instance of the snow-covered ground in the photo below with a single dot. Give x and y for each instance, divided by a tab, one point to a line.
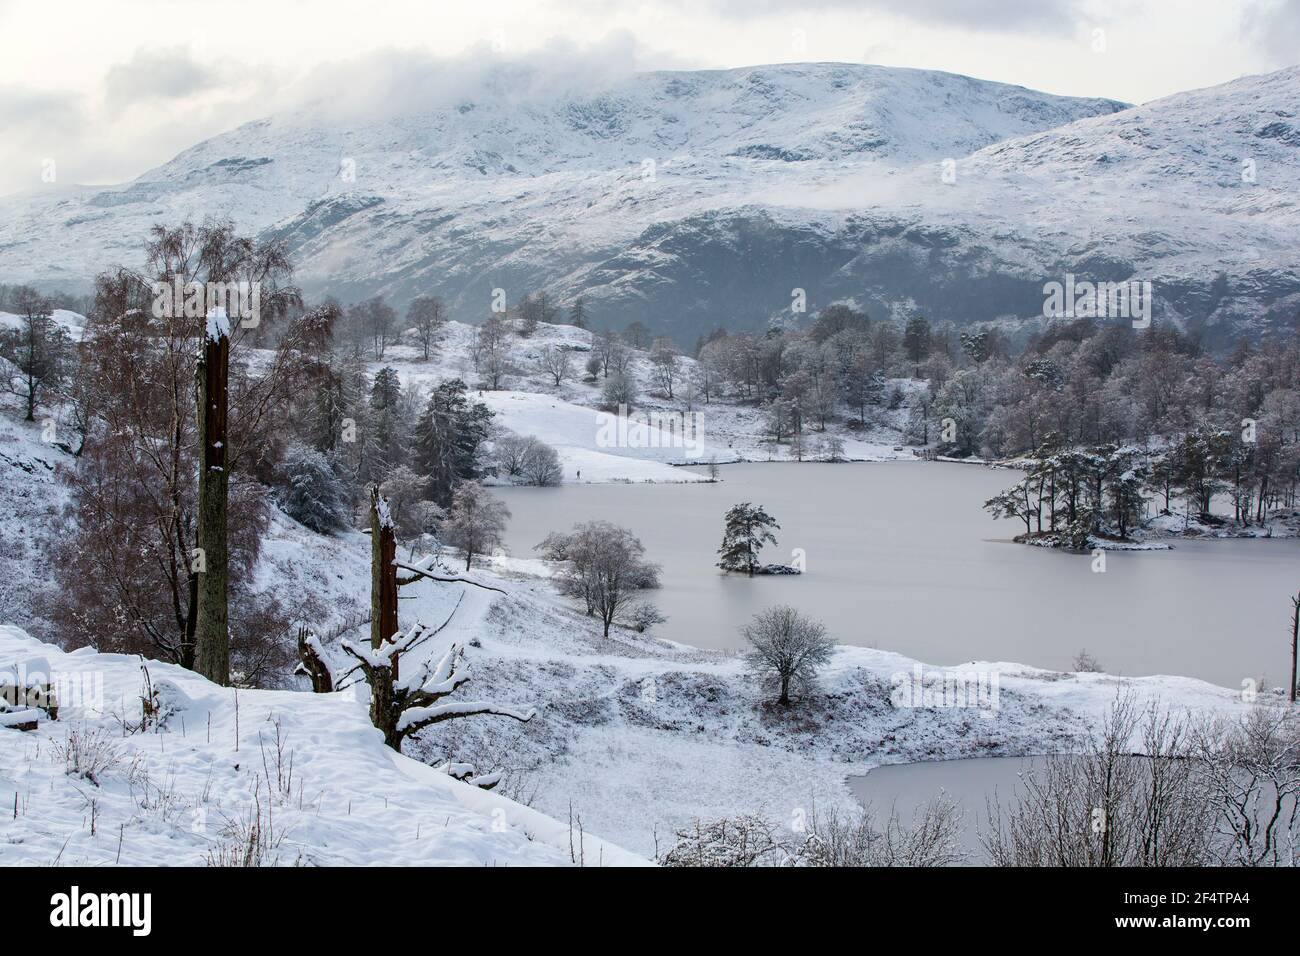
308	770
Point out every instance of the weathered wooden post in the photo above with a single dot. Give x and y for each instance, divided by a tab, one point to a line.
212	629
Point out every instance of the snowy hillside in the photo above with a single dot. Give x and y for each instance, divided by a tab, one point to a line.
568	418
285	777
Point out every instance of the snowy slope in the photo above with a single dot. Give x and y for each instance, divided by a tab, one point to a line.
568	416
329	792
633	736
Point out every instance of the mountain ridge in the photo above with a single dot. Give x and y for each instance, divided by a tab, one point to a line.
692	199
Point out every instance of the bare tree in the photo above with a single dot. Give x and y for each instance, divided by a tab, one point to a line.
427	315
374	321
492	358
1251	769
510	451
666	359
541	465
476	520
604	565
1109	806
555	362
788	647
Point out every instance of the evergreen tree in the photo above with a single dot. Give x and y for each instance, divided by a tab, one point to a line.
449	439
747	529
916	343
578	313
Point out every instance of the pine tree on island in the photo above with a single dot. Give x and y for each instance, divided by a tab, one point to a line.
747	529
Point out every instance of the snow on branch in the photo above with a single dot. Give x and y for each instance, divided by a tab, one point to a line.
417	717
423	569
401	705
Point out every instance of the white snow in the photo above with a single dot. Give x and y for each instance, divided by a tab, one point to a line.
218	325
169	796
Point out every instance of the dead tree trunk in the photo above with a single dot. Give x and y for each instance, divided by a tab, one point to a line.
312	664
211	628
1295	642
383	611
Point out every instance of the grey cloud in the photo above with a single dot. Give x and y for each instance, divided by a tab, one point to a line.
993	16
1273	26
390	81
155	75
38	110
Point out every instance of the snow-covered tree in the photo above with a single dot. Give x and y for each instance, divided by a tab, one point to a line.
747	528
476	521
427	315
401	706
605	566
555	363
832	448
310	492
787	647
620	390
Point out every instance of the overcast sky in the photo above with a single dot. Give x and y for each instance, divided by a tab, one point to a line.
108	90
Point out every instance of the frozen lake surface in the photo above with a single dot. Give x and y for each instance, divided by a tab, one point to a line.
901	556
973	784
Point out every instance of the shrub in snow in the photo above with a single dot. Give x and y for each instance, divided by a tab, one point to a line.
643	615
1085	663
90	753
855	840
310	492
747	840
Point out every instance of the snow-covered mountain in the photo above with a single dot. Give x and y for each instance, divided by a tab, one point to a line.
689	199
